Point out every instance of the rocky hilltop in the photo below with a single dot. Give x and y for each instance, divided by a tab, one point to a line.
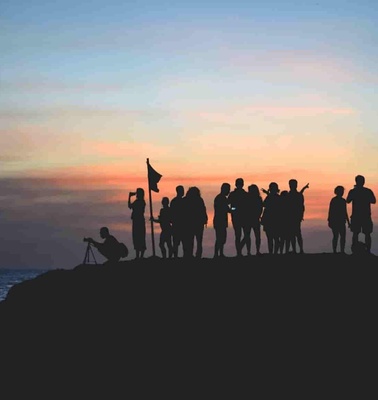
170	323
152	290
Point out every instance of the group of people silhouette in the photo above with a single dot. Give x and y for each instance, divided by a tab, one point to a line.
279	214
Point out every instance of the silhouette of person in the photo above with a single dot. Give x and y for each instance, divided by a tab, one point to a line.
270	219
238	203
178	219
220	219
285	234
254	209
196	219
296	209
337	218
361	198
288	235
138	207
165	221
110	248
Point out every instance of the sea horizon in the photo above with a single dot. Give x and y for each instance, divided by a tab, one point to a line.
11	276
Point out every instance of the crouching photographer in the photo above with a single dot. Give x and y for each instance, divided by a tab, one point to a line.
110	248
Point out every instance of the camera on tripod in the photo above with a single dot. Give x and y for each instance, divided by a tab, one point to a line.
89	251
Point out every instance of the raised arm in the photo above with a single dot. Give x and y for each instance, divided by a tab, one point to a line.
91	241
129	203
305	187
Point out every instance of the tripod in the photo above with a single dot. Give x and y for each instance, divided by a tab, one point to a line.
88	253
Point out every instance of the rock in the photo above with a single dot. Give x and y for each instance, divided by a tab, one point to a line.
169	322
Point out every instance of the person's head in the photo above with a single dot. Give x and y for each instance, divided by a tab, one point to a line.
273	188
104	232
339	191
165	201
360	180
193	191
284	193
293	184
225	188
180	190
140	193
239	183
254	189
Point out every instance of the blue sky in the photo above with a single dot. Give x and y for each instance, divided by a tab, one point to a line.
208	90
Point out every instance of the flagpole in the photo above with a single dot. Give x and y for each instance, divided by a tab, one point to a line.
152	222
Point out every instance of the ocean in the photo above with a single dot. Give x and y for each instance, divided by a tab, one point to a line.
9	277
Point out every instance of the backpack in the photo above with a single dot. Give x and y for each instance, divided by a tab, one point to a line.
123	250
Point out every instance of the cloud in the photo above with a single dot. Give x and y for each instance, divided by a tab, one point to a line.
241	114
296	66
128	149
71	111
257	151
48	85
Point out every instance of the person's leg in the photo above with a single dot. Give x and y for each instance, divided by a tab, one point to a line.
355	238
299	238
183	235
237	230
247	239
293	241
282	242
188	244
270	242
162	249
169	245
368	242
222	241
276	243
162	246
342	239
287	245
175	241
367	229
335	237
257	232
217	242
199	239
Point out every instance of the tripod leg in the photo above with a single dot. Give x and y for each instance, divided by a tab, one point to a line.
94	258
86	256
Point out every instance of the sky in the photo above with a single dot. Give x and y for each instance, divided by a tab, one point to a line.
208	91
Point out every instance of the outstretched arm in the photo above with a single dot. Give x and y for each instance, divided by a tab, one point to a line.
91	241
305	187
155	219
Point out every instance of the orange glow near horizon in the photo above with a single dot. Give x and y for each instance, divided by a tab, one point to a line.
116	187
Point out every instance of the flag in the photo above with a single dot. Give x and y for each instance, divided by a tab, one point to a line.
153	178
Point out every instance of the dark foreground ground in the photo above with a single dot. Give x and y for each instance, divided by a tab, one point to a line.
170	325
